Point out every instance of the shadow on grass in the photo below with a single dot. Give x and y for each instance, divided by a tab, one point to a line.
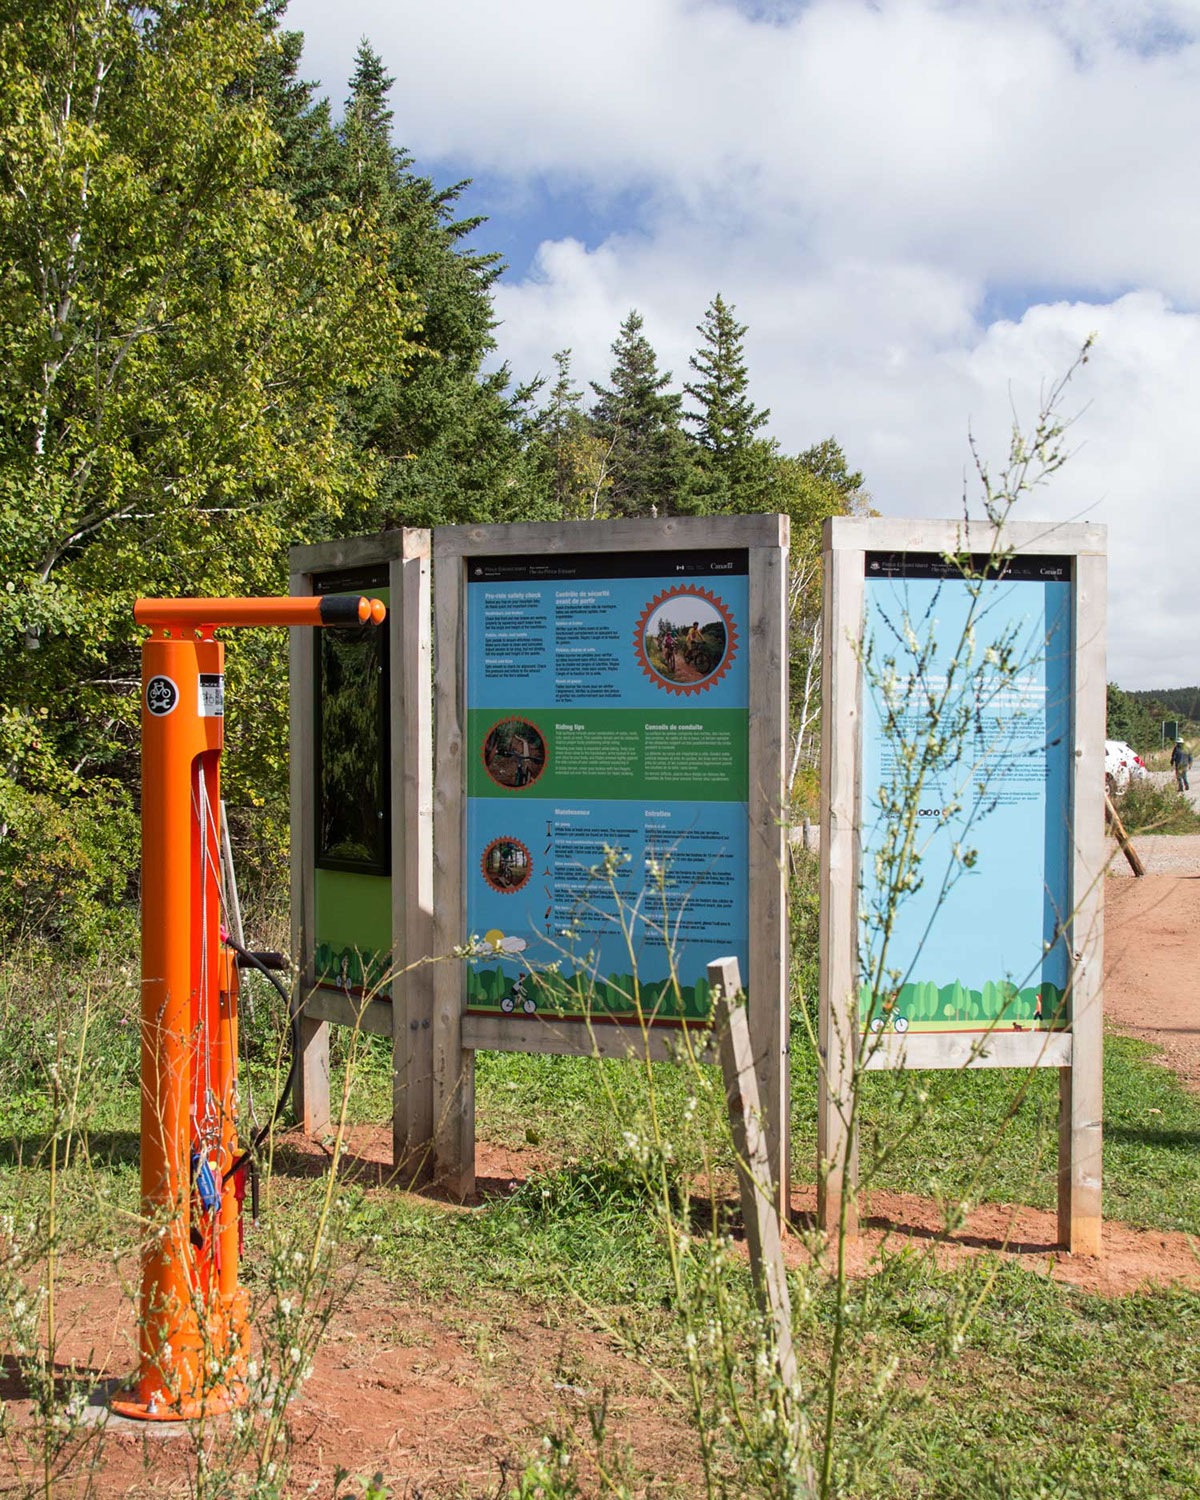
104	1148
1150	1135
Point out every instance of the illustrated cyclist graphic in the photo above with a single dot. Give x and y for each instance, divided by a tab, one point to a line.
519	996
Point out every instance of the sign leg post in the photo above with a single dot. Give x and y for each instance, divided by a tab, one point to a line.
842	624
1080	1142
312	1076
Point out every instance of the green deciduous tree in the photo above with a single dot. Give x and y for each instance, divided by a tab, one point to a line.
1132	721
567	455
807	489
826	462
176	343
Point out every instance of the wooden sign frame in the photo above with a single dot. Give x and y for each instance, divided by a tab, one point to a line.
407	1017
456	1035
1077	1053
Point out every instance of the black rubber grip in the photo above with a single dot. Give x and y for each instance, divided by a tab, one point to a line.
341	609
267	960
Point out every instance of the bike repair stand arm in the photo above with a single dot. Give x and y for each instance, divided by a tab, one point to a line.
193	1334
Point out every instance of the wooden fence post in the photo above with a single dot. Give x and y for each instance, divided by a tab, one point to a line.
760	1212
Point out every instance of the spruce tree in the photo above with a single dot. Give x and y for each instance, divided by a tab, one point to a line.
305	165
453	439
727	419
734	463
646	455
369	163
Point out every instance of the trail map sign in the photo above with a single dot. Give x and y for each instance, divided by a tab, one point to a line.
610	719
962	834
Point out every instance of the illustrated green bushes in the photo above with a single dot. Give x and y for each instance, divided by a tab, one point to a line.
923	1002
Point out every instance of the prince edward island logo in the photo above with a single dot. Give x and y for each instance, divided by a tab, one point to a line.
161	696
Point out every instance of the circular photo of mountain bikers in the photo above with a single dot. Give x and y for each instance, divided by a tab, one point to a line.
514	753
506	865
685	639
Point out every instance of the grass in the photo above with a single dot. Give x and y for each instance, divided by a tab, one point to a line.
1147	808
1052	1393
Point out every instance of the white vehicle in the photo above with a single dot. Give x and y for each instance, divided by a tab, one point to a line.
1139	771
1122	764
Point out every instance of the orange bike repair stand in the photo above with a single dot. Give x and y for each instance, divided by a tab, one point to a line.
194	1332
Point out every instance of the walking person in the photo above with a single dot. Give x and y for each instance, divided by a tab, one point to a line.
1181	764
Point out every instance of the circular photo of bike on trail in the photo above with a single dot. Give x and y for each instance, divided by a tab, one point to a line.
514	753
686	639
506	865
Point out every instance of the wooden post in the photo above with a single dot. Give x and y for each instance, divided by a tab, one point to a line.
1081	1086
412	858
756	1181
310	1089
841	673
768	1009
1127	849
453	1064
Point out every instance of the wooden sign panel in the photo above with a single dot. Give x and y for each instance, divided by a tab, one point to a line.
962	843
610	708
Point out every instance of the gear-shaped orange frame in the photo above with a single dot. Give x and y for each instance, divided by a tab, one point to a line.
515	719
506	890
686	590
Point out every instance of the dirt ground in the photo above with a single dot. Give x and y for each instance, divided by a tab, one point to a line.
1132	1257
1152	965
445	1399
1160	853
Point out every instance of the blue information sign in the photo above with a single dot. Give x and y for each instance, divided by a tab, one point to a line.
607	781
966	714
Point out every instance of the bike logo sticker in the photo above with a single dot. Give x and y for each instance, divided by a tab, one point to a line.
161	696
685	639
514	753
506	865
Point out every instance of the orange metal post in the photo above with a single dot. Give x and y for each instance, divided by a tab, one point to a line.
193	1336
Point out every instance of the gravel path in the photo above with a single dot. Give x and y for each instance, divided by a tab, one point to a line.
1161	853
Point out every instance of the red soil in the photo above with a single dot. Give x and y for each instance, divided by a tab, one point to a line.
444	1397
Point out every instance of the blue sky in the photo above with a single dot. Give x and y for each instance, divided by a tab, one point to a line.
920	207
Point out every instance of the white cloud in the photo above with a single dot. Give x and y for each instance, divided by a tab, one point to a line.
859	178
892	361
1008	140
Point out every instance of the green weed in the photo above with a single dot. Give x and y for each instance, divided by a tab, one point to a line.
1145	807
